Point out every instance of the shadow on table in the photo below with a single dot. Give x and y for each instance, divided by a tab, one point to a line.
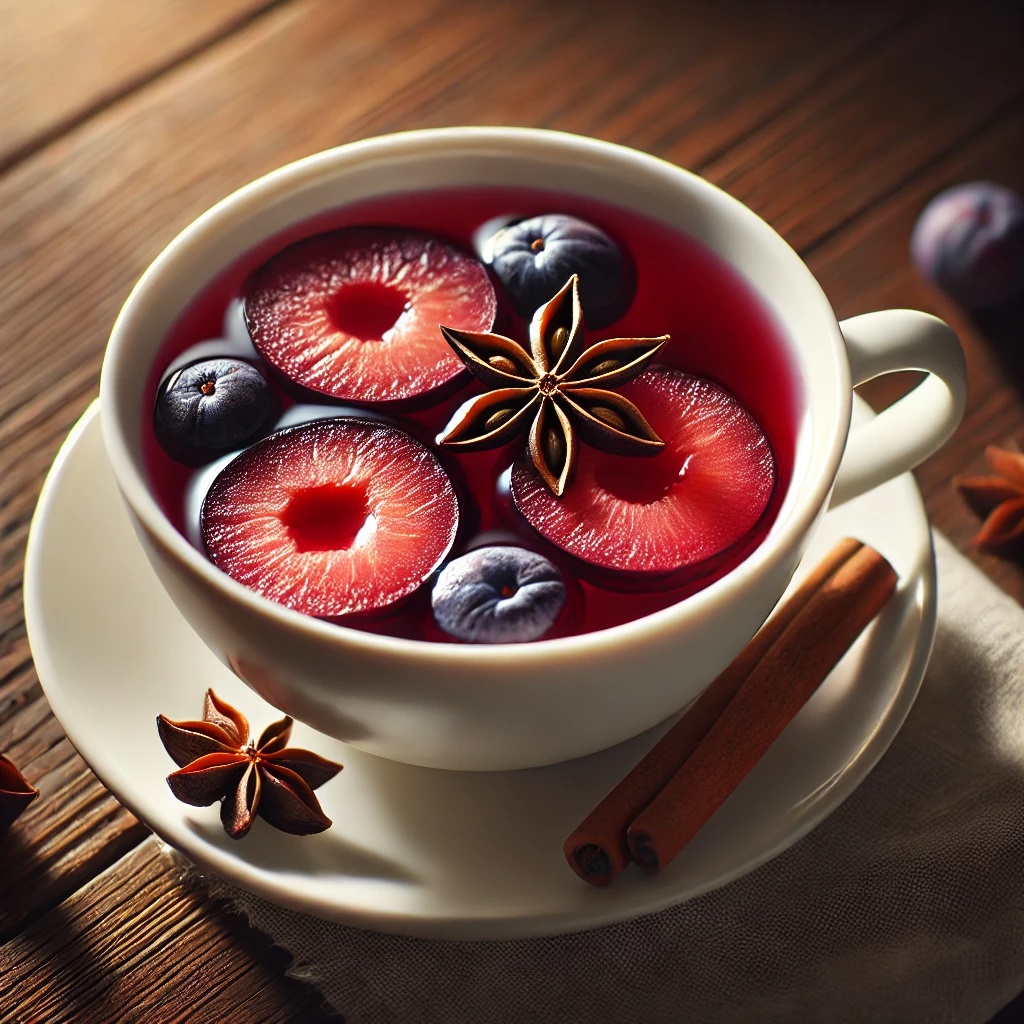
1004	331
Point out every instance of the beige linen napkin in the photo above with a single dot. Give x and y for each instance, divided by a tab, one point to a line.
906	905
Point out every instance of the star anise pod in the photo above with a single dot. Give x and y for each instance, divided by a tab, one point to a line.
219	761
999	499
16	792
560	389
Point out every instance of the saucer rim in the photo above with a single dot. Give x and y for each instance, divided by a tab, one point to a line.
269	884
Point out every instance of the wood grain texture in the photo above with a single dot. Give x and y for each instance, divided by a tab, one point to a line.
916	97
139	944
62	61
74	830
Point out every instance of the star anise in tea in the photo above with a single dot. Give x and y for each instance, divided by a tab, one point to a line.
219	761
999	499
16	792
559	389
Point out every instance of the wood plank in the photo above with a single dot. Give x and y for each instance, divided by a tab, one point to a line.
62	61
762	60
70	833
143	943
848	144
689	79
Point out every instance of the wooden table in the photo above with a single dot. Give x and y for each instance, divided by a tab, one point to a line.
120	122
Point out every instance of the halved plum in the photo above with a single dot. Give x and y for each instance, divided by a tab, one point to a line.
333	517
703	493
354	313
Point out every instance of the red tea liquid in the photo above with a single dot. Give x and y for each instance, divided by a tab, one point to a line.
720	329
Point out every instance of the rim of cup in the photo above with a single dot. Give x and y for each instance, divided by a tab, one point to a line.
253	211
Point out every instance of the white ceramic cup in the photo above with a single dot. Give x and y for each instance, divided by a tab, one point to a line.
501	707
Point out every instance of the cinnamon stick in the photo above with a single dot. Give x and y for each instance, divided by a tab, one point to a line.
597	850
780	685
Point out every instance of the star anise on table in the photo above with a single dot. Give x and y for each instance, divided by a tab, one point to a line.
999	499
558	388
219	761
16	792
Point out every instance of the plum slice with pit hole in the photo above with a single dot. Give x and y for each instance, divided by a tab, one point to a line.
701	494
333	517
354	313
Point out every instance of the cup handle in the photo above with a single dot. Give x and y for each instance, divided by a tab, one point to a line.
919	423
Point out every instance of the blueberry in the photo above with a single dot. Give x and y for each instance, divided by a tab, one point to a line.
969	242
535	257
498	595
211	407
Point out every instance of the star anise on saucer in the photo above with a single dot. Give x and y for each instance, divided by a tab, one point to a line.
219	761
560	389
16	792
999	499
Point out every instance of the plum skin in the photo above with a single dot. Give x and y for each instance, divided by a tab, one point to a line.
533	258
211	407
498	595
969	242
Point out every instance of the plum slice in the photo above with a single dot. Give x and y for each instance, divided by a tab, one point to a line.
354	314
333	517
706	490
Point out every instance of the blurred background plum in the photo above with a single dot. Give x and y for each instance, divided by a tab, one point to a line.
969	242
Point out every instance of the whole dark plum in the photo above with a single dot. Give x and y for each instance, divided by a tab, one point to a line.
534	258
498	595
969	242
211	407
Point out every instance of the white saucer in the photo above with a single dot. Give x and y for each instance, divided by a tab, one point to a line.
415	850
